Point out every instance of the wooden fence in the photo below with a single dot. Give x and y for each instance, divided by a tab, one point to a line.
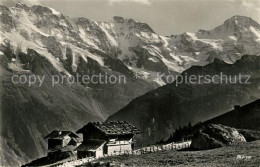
144	150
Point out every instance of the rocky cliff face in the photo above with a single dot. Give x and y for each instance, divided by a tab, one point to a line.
41	41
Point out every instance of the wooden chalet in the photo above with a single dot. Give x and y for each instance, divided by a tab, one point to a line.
60	140
106	138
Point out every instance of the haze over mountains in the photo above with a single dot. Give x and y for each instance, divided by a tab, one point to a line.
42	41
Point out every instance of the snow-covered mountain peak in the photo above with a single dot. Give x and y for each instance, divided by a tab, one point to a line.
132	24
42	10
134	43
242	21
22	6
119	19
37	9
237	24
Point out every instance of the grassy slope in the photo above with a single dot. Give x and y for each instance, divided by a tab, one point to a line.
247	117
225	156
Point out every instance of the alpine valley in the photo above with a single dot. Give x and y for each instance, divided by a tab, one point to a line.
39	40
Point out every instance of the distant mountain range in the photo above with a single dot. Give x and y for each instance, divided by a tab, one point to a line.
132	43
159	112
42	41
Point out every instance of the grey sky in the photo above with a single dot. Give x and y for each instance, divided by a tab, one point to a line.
166	17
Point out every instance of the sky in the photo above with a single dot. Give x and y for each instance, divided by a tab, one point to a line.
166	17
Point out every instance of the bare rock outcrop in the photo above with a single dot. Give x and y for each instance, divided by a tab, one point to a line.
215	136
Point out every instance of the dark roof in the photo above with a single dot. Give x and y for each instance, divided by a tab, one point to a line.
56	134
90	145
112	128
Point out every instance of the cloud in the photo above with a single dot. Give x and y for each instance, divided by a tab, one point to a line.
251	4
143	2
